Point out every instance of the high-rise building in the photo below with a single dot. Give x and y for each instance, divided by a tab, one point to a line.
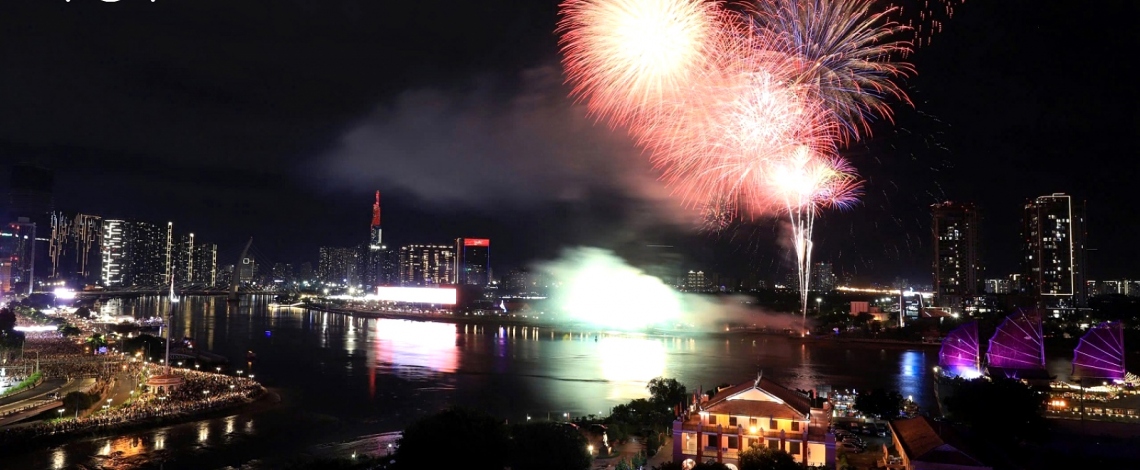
282	273
425	265
339	265
822	277
997	286
134	254
182	259
247	270
473	261
205	265
17	256
696	281
74	248
1054	261
114	253
306	272
957	249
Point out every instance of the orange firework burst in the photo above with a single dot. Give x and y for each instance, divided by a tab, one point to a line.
625	57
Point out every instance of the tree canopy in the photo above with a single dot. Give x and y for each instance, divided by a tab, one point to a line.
667	392
548	446
880	403
483	442
763	458
473	436
998	409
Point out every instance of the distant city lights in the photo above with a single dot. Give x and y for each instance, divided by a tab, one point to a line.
421	295
63	293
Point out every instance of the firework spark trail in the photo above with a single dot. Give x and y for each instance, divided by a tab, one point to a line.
743	113
806	183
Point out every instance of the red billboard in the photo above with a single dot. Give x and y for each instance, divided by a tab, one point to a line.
476	242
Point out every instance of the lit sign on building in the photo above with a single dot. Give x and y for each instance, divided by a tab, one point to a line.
420	295
476	242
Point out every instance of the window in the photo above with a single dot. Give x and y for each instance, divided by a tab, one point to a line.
732	421
772	424
711	440
712	419
754	422
795	425
794	447
732	442
774	444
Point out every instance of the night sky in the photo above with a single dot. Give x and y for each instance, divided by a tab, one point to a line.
278	119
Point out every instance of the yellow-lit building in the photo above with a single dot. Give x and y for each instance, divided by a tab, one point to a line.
757	413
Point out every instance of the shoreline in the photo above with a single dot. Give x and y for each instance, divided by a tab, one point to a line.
569	328
266	396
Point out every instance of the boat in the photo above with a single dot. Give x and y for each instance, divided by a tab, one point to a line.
1100	354
1017	348
961	354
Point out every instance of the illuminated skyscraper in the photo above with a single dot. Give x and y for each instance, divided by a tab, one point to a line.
134	254
379	261
205	265
696	282
957	246
75	247
473	261
339	265
1054	262
17	256
426	265
823	277
114	253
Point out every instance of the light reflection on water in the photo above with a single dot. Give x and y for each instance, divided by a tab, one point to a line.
340	378
628	363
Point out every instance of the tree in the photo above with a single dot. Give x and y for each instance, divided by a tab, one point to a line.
880	403
667	392
77	401
998	409
83	312
551	446
473	436
69	330
763	458
863	319
7	319
96	341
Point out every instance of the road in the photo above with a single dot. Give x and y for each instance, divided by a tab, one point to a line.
37	400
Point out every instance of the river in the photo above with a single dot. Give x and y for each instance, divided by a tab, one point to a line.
350	384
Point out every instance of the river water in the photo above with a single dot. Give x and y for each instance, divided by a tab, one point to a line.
350	384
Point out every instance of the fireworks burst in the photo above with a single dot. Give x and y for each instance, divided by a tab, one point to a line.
625	57
744	113
843	50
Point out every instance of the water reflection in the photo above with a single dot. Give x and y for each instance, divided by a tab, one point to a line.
627	363
411	347
58	459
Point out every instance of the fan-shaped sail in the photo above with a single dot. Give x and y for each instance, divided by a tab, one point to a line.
1100	354
1018	343
961	354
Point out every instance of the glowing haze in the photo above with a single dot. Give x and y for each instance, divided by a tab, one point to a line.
598	289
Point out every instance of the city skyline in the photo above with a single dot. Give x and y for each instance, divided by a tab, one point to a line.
975	135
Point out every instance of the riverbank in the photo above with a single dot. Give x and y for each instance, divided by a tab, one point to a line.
8	441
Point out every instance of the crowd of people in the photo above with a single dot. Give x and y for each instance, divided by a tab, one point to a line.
199	392
58	357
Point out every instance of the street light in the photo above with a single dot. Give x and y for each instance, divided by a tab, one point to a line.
60	413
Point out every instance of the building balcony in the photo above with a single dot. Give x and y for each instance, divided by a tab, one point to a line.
760	433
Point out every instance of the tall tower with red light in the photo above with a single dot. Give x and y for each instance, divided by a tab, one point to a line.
375	241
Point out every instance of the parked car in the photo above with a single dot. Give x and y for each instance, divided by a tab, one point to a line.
855	441
881	430
848	447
